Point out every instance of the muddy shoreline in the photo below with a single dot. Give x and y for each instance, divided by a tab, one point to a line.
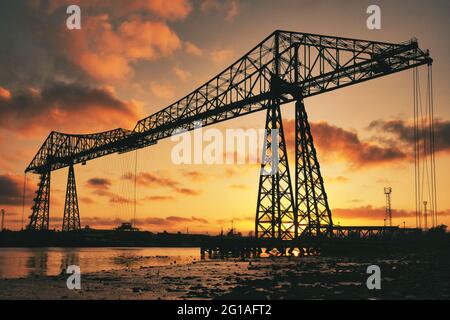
422	276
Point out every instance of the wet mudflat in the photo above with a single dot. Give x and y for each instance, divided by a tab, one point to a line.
406	277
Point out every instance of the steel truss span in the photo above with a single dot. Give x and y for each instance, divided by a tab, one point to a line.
285	67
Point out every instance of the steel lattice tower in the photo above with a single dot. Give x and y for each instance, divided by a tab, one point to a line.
71	221
314	214
388	217
275	213
39	218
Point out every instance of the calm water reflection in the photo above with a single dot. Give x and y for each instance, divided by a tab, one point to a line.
24	262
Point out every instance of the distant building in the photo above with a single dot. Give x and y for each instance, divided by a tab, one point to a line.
126	226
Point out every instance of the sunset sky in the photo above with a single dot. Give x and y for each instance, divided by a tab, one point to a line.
132	58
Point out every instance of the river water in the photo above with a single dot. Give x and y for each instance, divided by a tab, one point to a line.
423	275
25	262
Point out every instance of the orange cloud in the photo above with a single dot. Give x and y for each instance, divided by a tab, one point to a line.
332	140
239	186
86	200
105	51
163	91
192	49
338	179
221	56
194	175
5	94
183	75
114	35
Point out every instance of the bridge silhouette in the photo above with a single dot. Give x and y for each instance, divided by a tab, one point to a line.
285	67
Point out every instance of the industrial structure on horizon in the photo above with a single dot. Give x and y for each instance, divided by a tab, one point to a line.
388	217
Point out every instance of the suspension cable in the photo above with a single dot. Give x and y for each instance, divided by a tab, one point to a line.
432	142
416	149
135	187
416	188
23	197
424	151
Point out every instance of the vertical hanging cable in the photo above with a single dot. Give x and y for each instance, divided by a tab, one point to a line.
424	150
430	147
426	172
415	146
424	177
23	197
135	186
417	150
432	144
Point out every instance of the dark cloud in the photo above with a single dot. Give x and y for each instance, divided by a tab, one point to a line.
146	179
330	139
173	221
170	222
64	105
101	187
158	198
403	132
177	219
187	191
117	199
11	190
99	183
371	213
31	51
201	220
149	179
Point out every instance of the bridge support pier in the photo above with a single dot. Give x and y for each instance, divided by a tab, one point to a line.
275	213
314	214
39	218
71	220
278	214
